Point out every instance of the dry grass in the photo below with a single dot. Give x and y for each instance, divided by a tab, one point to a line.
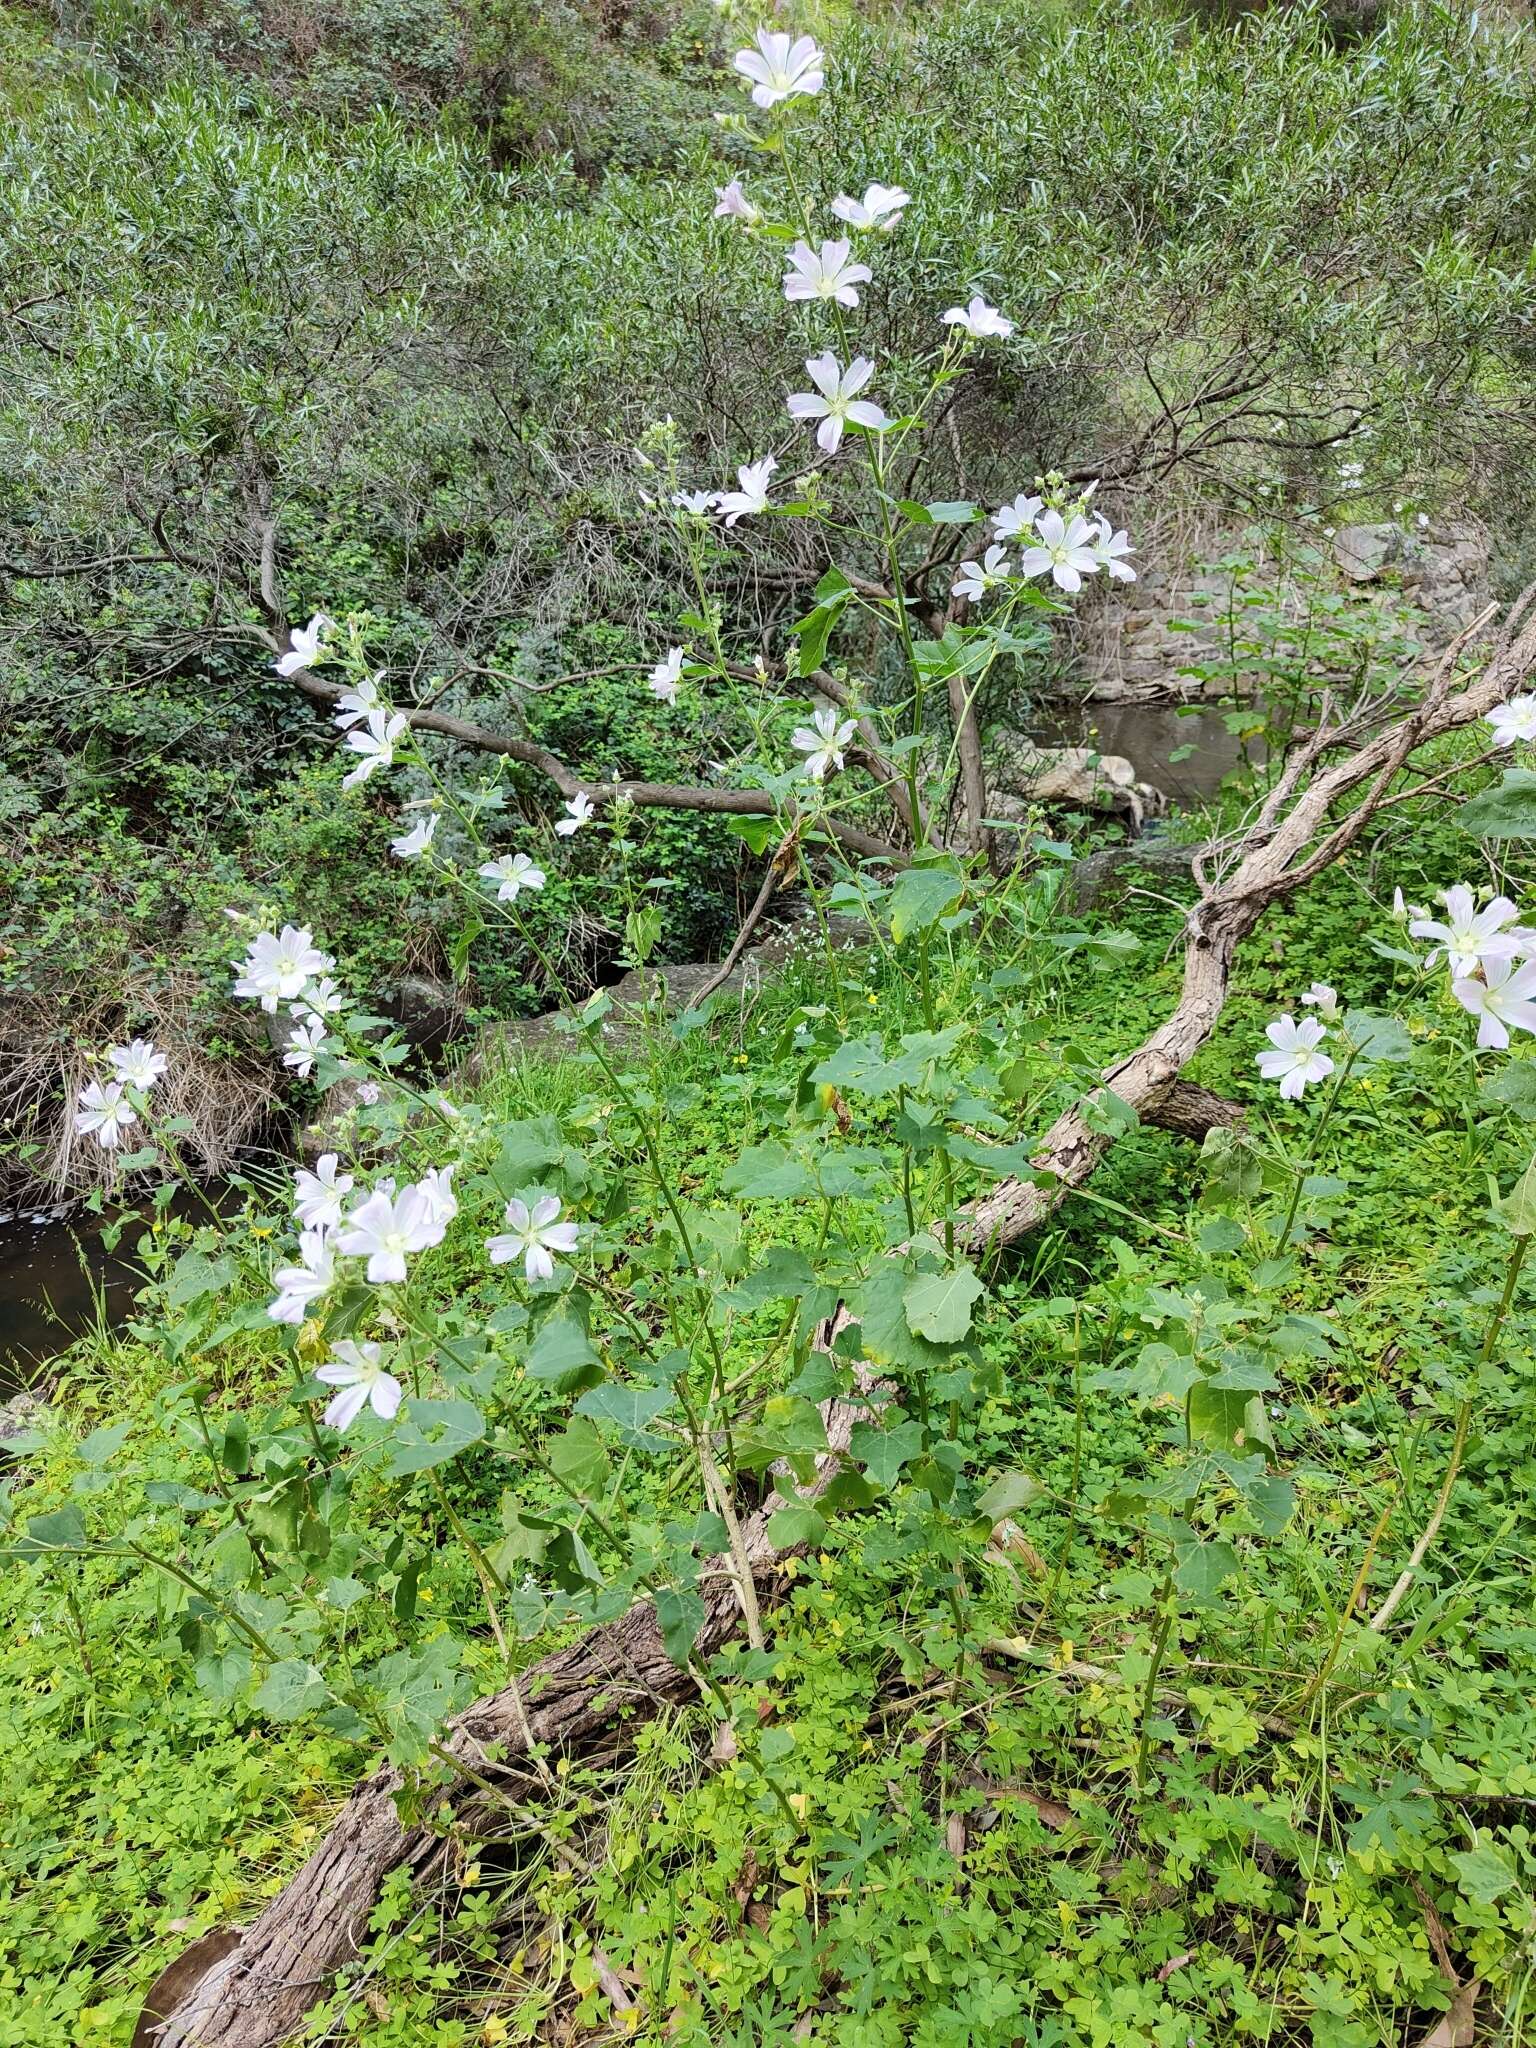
220	1104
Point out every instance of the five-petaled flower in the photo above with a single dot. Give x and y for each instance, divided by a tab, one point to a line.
354	705
698	504
512	874
577	812
1010	521
298	1286
666	676
822	742
320	999
374	741
276	967
535	1235
105	1113
731	203
304	1043
137	1064
1469	937
357	1369
835	401
1066	551
977	578
979	320
318	1196
1324	1000
1504	997
752	497
1513	721
385	1229
1110	549
881	208
824	273
781	67
1292	1057
411	845
304	644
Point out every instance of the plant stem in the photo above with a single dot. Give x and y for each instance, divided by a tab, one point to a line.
1420	1550
1154	1672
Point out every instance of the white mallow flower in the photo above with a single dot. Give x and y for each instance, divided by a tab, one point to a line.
881	208
1513	721
318	1196
780	68
304	1043
1402	910
104	1113
1505	998
977	578
304	644
979	320
320	999
1293	1058
535	1235
731	203
437	1185
298	1286
1110	550
665	677
374	741
1011	521
413	844
137	1064
1324	1000
386	1229
577	812
822	742
368	1093
1468	936
354	705
752	497
699	503
824	273
276	967
835	401
1065	551
512	874
357	1369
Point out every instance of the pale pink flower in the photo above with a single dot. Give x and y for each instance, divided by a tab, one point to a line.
781	68
1504	999
535	1235
357	1369
835	401
1292	1058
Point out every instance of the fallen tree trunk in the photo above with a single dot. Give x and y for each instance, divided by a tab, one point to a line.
258	1994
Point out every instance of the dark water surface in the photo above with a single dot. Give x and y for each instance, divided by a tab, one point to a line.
1147	735
53	1270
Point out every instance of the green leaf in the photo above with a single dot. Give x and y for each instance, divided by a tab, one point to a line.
789	1528
1204	1568
919	898
432	1433
105	1442
1220	1234
629	1409
1513	1084
63	1529
886	1335
1484	1874
1226	1419
292	1687
758	833
951	512
197	1275
679	1616
1506	812
1517	1210
1007	1494
561	1355
1382	1040
579	1456
883	1452
769	1173
939	1306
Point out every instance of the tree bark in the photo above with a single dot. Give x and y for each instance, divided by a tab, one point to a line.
256	1996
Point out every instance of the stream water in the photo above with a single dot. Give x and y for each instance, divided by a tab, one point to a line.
57	1278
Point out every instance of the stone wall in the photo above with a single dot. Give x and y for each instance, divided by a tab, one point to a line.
1126	648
